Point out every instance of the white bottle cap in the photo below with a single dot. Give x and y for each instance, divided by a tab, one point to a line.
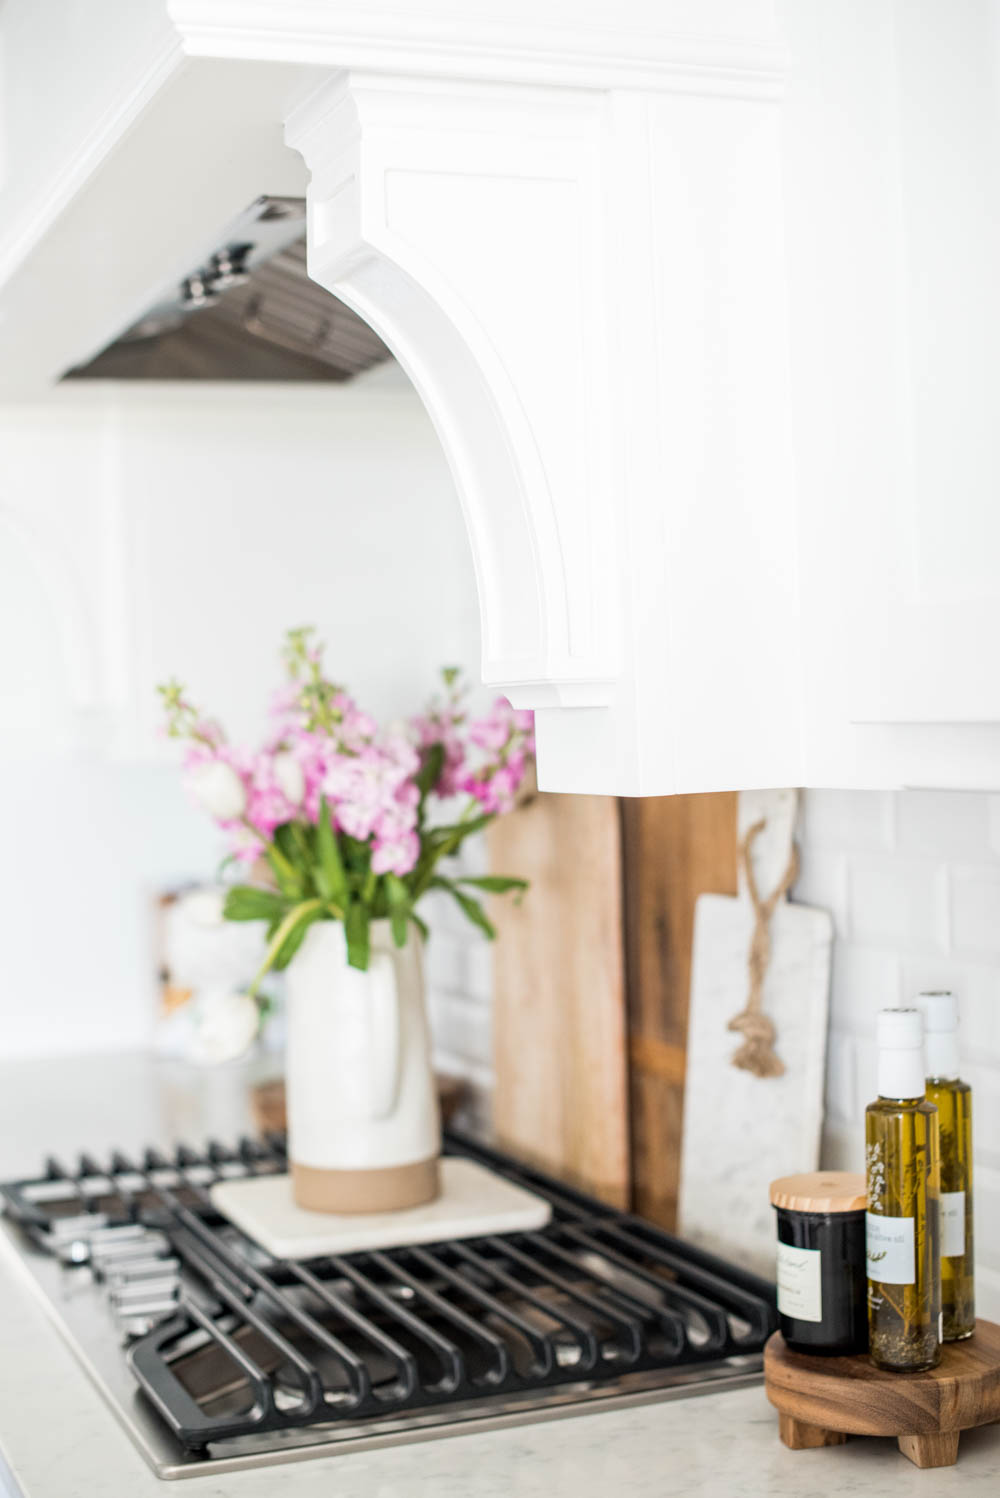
900	1034
941	1024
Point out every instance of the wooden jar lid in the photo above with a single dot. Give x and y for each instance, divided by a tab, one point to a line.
821	1191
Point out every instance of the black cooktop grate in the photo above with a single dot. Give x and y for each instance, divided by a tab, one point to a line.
253	1343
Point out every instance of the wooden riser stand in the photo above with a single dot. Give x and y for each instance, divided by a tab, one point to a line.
821	1401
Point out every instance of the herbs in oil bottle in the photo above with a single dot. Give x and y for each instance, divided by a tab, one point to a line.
901	1225
953	1099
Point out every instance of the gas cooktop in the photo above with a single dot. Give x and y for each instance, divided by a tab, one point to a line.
215	1355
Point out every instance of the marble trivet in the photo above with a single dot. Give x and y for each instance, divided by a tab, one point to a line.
473	1201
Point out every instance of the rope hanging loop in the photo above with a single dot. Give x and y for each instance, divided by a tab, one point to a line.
757	1053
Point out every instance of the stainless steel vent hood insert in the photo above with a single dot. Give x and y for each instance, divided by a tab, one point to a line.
248	312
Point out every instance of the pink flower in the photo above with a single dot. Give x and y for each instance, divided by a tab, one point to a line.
398	856
481	788
508	737
490	733
244	843
322	744
441	726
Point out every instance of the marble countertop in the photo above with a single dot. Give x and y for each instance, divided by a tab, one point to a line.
59	1440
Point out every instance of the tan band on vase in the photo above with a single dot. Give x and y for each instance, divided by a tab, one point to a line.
389	1189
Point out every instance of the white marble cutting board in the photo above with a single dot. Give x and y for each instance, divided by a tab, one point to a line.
474	1201
740	1130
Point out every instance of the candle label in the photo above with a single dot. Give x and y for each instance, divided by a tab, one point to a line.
891	1259
952	1224
800	1293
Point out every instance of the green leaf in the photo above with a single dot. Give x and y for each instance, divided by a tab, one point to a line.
306	910
294	939
244	902
454	832
357	930
470	907
330	876
302	840
495	884
289	880
421	926
399	908
356	854
431	766
440	843
288	844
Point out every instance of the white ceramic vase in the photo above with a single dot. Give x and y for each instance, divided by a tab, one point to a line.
364	1131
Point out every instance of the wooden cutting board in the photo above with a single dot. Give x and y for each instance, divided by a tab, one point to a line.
741	1130
561	1089
674	848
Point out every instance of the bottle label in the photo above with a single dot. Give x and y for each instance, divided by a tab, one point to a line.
952	1224
800	1292
891	1258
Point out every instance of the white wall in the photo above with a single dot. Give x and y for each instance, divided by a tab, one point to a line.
913	881
152	531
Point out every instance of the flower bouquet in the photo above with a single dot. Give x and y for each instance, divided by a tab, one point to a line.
343	828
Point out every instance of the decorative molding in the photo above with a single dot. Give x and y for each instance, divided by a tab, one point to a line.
648	44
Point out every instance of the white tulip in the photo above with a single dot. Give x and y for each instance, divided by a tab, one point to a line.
226	1027
203	907
219	789
289	777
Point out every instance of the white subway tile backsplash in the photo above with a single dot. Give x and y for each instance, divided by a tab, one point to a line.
985	1082
978	991
461	1027
942	824
987	1293
854	821
865	980
446	964
975	909
865	1077
976	986
479	970
899	903
459	973
987	1209
843	1145
840	1100
822	881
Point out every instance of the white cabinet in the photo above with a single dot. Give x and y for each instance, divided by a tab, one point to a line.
893	230
699	298
928	618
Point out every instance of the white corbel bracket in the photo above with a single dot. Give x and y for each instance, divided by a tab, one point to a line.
460	224
586	287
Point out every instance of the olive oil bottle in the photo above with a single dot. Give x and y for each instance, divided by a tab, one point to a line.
901	1224
953	1099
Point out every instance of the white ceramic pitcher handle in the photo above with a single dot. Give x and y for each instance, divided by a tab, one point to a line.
384	1034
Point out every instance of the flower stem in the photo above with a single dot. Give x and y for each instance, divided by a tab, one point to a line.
291	920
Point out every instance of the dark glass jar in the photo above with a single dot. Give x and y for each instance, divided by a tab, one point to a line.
822	1283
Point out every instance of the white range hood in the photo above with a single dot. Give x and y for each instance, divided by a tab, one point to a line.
663	272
